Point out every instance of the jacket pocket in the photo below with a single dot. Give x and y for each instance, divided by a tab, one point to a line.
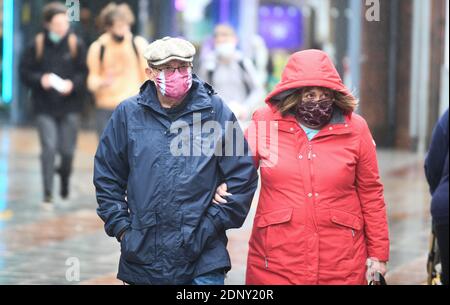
349	228
139	243
274	228
195	239
346	219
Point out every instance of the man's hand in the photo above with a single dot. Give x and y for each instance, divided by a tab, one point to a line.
123	235
221	192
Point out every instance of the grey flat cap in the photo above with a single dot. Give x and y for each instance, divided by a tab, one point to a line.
164	50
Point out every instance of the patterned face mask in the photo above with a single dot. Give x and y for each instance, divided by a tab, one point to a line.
315	115
176	84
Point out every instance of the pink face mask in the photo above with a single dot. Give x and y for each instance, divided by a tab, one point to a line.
174	85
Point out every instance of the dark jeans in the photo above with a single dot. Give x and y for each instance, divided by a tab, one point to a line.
57	135
215	277
102	117
441	232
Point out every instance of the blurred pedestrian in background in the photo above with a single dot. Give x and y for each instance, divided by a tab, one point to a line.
115	61
231	74
169	231
260	57
436	170
54	67
321	213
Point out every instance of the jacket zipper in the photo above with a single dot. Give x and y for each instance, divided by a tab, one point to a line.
311	173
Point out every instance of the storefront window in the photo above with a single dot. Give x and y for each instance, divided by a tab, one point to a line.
281	26
1	45
7	22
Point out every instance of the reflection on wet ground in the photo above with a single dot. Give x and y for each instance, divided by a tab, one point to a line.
36	244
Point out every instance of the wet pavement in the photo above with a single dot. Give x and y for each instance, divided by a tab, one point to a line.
39	246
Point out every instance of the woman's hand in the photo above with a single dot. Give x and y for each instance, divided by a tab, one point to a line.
374	266
221	192
383	268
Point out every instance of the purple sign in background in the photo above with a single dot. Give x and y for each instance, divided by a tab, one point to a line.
281	26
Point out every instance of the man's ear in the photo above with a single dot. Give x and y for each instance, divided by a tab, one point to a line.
150	74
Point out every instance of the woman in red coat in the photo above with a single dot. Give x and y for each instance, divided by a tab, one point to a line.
321	213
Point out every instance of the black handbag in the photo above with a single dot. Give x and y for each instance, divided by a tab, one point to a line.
380	282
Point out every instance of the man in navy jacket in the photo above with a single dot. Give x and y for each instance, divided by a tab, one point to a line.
155	190
436	169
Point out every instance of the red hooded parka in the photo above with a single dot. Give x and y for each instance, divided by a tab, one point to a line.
321	211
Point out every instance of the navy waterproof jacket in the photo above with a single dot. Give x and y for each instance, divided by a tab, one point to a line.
152	184
436	169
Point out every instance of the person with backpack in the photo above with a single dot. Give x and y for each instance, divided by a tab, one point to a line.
115	61
54	67
231	74
436	171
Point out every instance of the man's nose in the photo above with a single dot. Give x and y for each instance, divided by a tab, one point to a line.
177	71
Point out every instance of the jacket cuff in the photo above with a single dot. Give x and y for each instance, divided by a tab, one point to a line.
212	215
381	257
78	83
36	79
121	227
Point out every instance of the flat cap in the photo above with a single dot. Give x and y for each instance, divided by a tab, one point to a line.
166	49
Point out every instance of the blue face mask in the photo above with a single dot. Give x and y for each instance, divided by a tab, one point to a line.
55	38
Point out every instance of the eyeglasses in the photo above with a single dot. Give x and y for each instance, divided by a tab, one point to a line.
170	71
